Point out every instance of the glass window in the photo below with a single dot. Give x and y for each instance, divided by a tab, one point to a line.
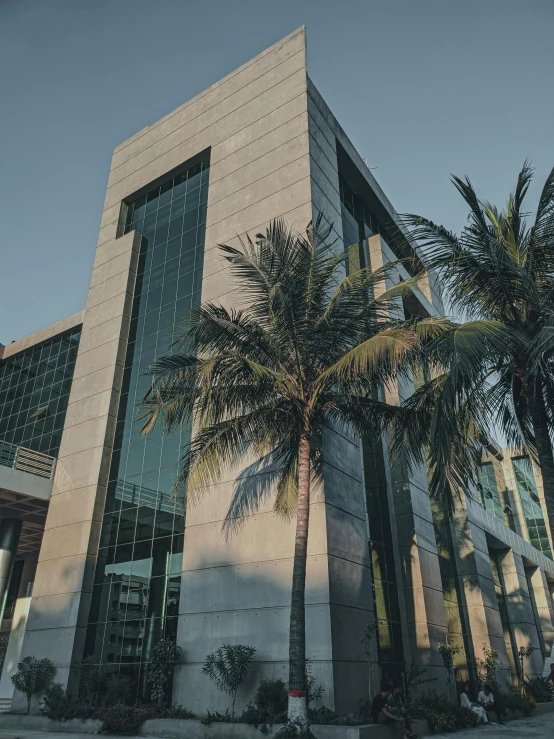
136	595
531	505
489	490
34	392
385	595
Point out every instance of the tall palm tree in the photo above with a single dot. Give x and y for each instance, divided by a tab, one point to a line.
307	348
495	370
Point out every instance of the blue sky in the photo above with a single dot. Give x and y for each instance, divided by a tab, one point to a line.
424	88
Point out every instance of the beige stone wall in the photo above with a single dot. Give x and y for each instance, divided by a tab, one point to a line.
63	582
43	334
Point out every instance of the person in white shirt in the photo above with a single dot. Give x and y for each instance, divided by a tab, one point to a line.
466	703
486	699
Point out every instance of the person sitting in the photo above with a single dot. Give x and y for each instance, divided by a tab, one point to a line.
486	699
466	703
381	713
550	677
396	706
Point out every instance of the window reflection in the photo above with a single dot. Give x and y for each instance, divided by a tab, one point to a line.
135	600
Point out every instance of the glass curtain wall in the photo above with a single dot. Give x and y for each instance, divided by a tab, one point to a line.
136	591
34	392
489	490
384	583
531	505
356	220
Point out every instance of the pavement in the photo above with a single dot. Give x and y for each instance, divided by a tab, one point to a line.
539	727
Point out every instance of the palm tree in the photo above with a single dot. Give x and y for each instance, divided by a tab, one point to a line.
307	348
495	370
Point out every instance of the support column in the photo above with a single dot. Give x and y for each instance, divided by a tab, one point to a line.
424	617
540	592
60	603
476	584
520	611
10	530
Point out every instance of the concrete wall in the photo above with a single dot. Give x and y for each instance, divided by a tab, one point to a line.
61	596
43	334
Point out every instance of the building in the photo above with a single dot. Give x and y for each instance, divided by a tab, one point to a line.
97	560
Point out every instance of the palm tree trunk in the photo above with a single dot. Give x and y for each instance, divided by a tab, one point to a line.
297	707
545	458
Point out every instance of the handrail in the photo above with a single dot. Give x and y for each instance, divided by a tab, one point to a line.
20	458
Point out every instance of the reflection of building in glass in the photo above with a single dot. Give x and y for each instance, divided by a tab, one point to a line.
34	392
532	511
489	490
116	572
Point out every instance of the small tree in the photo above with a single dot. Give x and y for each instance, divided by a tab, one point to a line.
486	667
160	670
448	652
227	668
32	677
523	653
370	634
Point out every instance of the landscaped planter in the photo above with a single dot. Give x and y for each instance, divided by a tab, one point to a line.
42	723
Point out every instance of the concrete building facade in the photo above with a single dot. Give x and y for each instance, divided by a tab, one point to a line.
107	564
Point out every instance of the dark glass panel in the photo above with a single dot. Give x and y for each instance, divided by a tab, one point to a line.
161	234
175	228
190	220
150	222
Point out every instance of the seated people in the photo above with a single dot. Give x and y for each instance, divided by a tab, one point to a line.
466	703
396	705
486	699
381	713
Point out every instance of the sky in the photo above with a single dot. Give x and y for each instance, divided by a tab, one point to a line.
424	89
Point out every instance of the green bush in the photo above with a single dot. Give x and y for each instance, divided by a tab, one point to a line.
465	718
57	705
91	679
176	711
291	731
159	670
440	713
514	700
117	690
272	696
123	719
536	688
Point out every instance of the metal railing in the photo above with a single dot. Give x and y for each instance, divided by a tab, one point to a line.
26	460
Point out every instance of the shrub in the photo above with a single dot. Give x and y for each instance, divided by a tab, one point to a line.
272	696
159	670
32	676
465	718
536	688
117	690
176	711
218	718
56	704
268	707
227	668
514	700
122	719
91	677
292	731
440	713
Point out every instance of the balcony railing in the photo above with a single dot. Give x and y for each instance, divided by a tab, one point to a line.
26	460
